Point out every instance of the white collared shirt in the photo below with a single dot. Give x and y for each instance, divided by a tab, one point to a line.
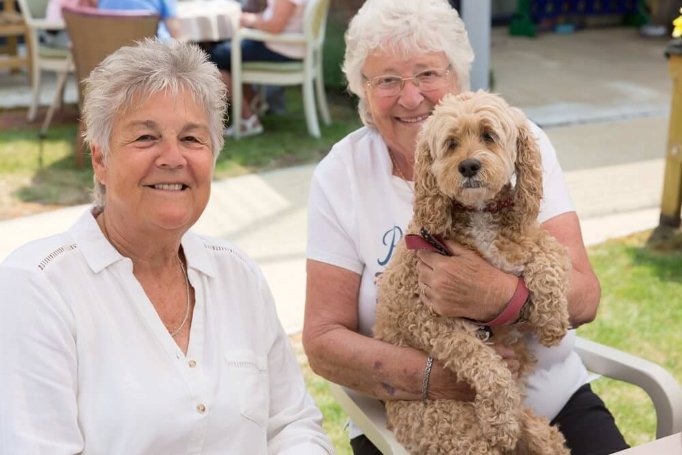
87	366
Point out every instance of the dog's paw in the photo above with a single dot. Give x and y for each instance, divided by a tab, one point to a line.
504	436
551	333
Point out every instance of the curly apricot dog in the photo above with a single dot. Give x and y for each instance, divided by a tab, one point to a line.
478	181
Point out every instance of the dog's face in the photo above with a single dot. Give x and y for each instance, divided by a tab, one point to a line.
472	142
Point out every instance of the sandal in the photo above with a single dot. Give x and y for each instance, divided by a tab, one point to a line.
247	127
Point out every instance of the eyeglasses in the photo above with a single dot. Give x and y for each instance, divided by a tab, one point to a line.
427	80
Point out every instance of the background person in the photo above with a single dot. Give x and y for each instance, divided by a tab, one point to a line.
279	16
169	26
129	334
401	58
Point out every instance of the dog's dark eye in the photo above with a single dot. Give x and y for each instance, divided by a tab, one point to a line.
451	144
488	136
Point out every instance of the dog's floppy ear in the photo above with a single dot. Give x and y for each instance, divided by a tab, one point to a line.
431	207
528	190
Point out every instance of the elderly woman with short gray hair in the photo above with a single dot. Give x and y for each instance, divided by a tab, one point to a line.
129	334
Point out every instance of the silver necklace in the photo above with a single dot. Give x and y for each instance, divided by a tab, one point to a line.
400	172
184	274
184	321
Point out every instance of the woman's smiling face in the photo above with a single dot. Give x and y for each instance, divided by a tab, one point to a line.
159	167
399	118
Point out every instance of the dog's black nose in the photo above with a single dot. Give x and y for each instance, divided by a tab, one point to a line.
469	167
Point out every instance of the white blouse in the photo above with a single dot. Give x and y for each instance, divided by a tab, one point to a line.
87	366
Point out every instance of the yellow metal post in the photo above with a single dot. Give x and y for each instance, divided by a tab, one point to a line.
672	182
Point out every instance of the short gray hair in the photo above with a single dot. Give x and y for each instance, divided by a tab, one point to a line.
404	27
132	74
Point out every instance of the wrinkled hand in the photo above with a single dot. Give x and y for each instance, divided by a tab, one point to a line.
464	284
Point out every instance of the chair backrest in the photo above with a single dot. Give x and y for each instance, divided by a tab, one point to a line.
97	33
33	9
315	21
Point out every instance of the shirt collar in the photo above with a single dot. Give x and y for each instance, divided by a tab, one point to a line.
100	254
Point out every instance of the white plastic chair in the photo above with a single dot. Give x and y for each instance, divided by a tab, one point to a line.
43	58
665	393
307	72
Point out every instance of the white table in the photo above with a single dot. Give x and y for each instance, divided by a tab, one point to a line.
208	20
671	445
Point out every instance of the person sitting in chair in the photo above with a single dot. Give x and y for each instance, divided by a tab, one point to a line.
279	16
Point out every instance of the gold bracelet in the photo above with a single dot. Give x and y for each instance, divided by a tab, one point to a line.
427	376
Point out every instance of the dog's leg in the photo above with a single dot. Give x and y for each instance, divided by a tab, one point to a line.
539	437
546	276
497	400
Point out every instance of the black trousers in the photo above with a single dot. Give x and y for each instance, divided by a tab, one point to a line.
585	422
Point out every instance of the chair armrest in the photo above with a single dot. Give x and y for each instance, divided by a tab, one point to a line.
370	416
659	384
44	24
259	35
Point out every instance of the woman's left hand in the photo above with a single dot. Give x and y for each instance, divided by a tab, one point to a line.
464	284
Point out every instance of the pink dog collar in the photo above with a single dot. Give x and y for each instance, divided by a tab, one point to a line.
511	312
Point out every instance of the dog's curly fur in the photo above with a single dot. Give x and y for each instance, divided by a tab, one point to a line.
483	127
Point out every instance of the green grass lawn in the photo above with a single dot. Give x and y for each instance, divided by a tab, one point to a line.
640	312
44	171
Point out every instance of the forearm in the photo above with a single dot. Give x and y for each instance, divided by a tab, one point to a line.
174	28
266	26
583	297
584	291
276	22
337	352
371	366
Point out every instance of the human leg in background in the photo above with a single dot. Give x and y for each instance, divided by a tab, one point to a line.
274	95
221	55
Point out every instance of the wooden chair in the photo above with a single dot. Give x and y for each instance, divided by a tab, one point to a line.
307	73
94	35
12	27
43	58
665	393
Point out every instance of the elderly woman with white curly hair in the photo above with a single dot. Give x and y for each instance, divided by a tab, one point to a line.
402	57
128	334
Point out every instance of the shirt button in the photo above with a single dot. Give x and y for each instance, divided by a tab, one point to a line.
192	363
201	408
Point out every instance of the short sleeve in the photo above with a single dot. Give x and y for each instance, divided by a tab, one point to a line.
169	8
331	214
556	199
